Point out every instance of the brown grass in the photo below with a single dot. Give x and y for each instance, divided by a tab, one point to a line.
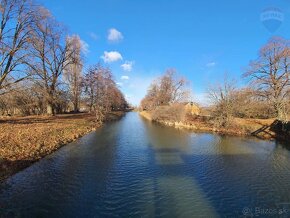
249	126
24	140
146	115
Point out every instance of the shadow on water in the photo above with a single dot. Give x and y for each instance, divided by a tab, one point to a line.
134	168
278	130
230	173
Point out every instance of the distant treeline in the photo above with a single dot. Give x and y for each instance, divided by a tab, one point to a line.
267	94
41	66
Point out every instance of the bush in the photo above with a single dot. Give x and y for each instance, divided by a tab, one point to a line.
171	113
254	109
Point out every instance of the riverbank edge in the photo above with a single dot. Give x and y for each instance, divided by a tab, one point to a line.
207	129
10	168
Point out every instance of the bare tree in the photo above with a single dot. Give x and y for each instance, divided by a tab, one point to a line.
51	55
223	98
168	89
269	73
150	101
90	85
73	71
102	91
172	89
31	40
25	99
247	104
17	20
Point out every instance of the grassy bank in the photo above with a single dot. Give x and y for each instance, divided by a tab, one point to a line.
242	127
24	140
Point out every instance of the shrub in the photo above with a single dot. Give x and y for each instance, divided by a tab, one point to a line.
171	113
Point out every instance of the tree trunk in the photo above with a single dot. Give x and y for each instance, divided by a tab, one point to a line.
76	105
280	111
50	109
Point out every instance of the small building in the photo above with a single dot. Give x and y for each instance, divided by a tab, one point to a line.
192	108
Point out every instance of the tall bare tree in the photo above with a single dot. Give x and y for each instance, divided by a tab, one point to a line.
270	74
73	71
102	91
17	21
51	55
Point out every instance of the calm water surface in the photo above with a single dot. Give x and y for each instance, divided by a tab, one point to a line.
133	168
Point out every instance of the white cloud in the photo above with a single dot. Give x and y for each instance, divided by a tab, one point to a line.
85	47
211	64
127	66
128	96
114	35
119	84
111	56
125	77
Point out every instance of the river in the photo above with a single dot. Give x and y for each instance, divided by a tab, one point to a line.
135	168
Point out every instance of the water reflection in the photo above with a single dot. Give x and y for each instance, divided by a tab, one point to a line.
136	168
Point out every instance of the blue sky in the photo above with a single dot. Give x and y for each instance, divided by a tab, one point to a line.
202	40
